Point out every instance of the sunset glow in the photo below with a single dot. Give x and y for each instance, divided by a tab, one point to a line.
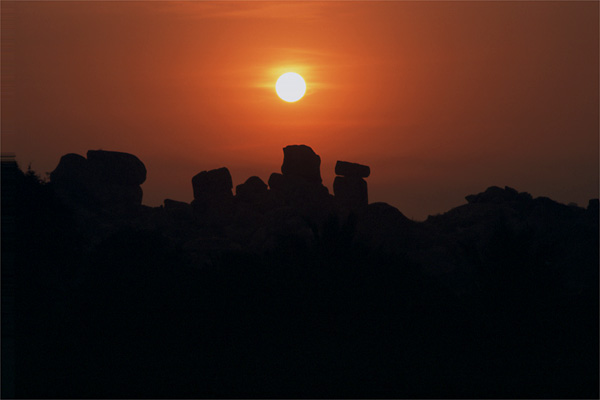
440	99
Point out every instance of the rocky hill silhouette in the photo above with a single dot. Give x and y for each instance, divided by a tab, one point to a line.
283	289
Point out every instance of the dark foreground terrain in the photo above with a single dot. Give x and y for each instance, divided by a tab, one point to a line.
284	290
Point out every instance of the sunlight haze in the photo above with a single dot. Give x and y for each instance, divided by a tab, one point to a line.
440	99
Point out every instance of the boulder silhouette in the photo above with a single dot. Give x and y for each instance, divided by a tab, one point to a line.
299	185
311	199
216	182
276	181
300	180
494	194
350	191
253	190
71	178
116	168
212	190
345	168
106	179
71	167
297	189
301	161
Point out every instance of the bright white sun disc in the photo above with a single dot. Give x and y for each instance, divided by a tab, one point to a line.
290	87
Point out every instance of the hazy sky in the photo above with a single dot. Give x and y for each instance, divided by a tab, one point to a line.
440	99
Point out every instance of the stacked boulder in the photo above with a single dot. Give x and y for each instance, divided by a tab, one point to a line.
350	189
300	181
106	179
301	161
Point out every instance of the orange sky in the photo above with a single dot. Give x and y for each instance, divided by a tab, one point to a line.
440	99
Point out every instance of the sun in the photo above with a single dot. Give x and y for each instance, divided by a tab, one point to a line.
290	87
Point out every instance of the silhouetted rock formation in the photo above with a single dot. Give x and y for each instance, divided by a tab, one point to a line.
216	182
72	168
106	179
71	178
504	226
297	207
276	181
301	161
494	194
351	190
253	190
116	168
267	293
345	168
300	185
296	188
178	209
383	227
212	188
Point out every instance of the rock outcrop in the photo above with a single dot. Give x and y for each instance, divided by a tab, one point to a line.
302	162
116	168
295	211
495	194
216	182
178	209
299	184
350	189
345	168
252	191
71	179
384	227
72	168
295	208
106	179
501	269
212	189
